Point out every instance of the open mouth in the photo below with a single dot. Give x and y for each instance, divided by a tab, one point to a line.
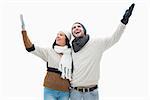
77	32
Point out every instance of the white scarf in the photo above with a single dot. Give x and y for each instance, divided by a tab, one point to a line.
65	64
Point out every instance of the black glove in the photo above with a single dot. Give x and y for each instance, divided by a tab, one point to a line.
127	14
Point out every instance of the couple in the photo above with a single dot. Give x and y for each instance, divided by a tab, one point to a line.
73	70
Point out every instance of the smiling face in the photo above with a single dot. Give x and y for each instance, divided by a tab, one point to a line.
61	39
77	30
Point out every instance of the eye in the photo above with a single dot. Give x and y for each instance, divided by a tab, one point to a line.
74	27
61	34
79	26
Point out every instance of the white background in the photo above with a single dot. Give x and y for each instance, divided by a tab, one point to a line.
124	67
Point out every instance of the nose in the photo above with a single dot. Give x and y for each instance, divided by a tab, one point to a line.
57	37
76	29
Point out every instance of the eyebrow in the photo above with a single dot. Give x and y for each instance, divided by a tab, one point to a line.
76	25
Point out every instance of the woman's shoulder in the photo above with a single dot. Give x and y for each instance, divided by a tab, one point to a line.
52	51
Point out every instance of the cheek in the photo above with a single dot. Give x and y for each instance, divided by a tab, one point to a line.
73	30
57	42
82	30
62	41
73	33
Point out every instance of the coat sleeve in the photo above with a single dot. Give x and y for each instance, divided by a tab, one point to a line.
114	38
41	52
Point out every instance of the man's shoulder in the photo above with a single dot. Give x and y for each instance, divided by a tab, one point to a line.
95	39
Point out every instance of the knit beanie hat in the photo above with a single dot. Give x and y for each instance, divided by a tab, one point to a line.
67	34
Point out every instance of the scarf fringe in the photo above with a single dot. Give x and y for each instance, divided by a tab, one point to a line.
65	64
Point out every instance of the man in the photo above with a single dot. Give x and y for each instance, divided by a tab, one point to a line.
86	55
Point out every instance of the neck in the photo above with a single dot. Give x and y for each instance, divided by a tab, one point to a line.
61	45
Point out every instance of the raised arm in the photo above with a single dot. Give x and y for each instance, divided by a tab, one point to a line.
109	41
40	52
27	43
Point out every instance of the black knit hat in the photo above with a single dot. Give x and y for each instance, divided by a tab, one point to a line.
81	25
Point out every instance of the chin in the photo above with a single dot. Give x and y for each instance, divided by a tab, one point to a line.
78	35
57	43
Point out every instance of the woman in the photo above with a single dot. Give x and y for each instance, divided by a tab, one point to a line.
59	65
